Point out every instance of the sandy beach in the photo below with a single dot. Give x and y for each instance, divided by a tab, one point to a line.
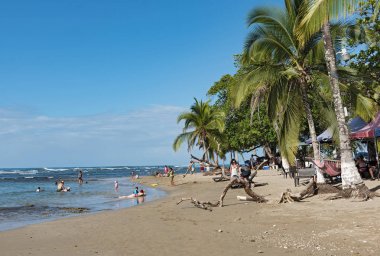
312	227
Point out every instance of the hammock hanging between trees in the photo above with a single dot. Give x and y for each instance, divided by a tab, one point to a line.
330	167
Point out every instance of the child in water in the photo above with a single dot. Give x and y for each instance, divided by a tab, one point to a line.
116	185
136	191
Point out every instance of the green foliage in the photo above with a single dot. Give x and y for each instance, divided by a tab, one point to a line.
367	60
203	127
241	133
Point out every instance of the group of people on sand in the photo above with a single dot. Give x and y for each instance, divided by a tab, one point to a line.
168	172
202	167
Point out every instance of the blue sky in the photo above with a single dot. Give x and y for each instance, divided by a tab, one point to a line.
101	82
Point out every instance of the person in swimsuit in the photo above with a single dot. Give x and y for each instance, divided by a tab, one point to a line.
171	175
136	191
80	177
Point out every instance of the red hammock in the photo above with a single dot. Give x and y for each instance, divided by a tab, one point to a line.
330	167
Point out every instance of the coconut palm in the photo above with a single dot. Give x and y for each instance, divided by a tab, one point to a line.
202	128
281	70
317	15
284	70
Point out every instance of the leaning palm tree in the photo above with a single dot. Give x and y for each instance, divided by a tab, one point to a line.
317	15
202	128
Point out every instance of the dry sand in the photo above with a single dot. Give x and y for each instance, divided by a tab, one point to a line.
313	227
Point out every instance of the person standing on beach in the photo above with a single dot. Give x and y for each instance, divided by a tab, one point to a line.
201	166
166	171
234	169
116	185
190	168
171	175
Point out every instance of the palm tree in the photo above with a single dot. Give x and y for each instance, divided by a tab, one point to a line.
281	70
285	68
203	127
317	15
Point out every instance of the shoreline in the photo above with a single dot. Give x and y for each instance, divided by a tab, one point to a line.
38	212
313	227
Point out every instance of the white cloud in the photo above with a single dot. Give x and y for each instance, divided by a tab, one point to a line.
141	137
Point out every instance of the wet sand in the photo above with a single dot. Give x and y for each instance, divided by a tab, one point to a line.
312	227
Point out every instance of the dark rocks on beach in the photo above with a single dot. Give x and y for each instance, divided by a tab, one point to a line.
74	209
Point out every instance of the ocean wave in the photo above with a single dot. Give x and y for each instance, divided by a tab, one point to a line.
111	169
56	170
18	172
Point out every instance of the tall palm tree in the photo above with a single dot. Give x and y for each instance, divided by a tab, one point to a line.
282	71
202	128
317	15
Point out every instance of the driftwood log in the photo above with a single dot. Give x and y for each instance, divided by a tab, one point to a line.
206	205
288	197
246	185
360	192
199	204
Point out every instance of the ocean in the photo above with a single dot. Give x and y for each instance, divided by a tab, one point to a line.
21	205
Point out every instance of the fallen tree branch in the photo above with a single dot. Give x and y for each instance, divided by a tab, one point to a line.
359	191
200	204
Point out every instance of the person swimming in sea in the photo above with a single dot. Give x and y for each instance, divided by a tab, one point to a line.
136	191
61	187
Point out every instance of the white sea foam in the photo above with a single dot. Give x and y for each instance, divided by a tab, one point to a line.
18	172
56	170
111	169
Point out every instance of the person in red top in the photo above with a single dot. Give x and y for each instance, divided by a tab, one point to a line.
201	167
166	171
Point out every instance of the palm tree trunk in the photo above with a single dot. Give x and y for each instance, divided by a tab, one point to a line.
236	156
313	134
268	151
350	174
216	159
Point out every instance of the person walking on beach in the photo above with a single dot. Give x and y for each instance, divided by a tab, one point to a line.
166	171
116	186
171	175
80	177
190	168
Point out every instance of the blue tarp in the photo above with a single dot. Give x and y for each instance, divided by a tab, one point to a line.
354	125
377	132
